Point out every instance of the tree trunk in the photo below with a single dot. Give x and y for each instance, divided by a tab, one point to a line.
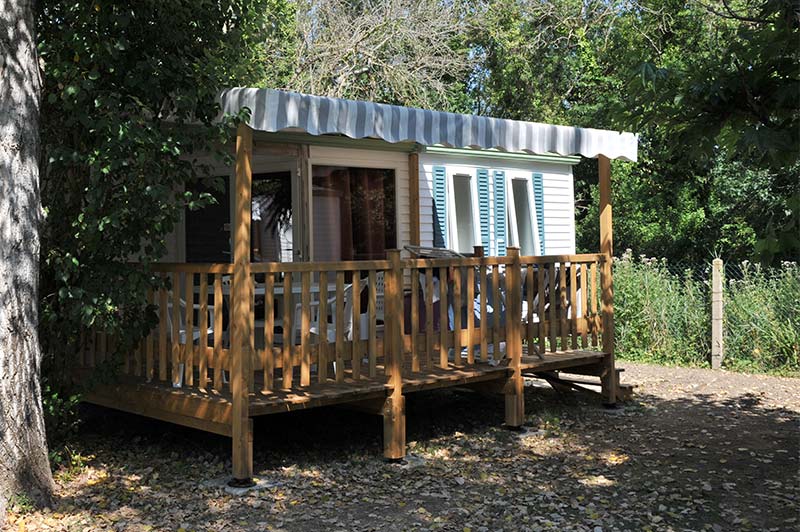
24	468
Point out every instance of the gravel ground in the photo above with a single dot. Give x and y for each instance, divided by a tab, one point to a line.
694	450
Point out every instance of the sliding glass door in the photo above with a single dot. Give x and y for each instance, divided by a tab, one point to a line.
353	213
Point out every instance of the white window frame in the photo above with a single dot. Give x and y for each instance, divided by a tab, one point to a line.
452	217
511	207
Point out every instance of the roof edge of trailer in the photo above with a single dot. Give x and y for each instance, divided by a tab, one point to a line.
274	111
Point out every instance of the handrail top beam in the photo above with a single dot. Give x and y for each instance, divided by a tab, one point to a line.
362	265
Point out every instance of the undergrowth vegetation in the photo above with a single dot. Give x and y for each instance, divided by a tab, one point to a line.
663	314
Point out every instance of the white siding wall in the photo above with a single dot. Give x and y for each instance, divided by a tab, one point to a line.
559	198
559	205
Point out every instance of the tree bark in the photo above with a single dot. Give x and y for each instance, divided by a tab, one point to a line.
24	467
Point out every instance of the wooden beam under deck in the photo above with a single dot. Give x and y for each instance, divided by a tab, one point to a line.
211	413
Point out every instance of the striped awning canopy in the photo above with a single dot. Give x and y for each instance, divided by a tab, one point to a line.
274	110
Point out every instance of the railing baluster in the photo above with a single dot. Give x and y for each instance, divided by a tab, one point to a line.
251	318
562	271
162	331
595	297
176	320
91	352
148	349
573	303
188	349
483	279
102	346
443	319
553	300
340	320
203	344
288	336
457	316
372	320
497	306
470	314
218	321
584	302
542	293
322	355
268	355
356	326
529	286
415	365
429	333
305	335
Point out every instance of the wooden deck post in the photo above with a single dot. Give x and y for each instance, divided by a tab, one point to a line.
515	388
394	411
242	293
608	378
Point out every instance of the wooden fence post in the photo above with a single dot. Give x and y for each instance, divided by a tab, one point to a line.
515	388
717	346
394	410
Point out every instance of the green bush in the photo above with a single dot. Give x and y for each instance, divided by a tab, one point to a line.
664	316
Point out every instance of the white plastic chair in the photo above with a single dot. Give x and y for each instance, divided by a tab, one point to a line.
182	329
314	316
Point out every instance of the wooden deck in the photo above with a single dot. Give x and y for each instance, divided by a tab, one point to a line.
211	410
236	352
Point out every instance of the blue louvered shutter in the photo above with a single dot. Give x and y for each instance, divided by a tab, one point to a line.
483	207
439	207
500	213
538	199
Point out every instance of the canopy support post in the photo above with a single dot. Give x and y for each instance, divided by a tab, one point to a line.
242	296
609	376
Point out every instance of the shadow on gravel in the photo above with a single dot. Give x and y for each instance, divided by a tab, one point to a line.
660	463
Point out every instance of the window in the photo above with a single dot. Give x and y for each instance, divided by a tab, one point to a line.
271	217
207	234
353	212
463	229
524	214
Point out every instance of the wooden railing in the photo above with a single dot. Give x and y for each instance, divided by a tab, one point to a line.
561	295
326	323
322	322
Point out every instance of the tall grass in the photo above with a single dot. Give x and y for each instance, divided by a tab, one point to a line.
662	314
762	319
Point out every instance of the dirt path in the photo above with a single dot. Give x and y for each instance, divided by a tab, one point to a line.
695	450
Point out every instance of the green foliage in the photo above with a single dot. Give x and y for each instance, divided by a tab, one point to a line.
22	504
542	61
60	413
129	96
725	97
658	316
739	89
762	319
67	463
713	95
664	317
693	213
